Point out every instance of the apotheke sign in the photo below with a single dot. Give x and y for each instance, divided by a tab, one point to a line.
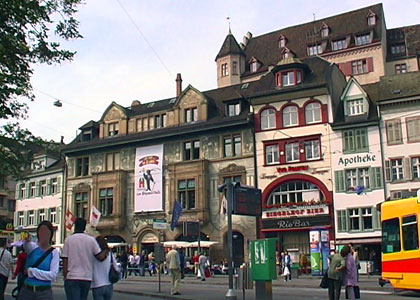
304	211
368	158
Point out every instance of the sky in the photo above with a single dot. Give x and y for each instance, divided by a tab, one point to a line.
132	50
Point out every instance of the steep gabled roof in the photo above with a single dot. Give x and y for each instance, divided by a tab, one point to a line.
410	35
399	86
230	46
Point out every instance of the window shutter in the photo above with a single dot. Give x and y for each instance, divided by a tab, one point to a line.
59	185
47	214
347	221
342	67
17	192
279	119
369	62
324	113
387	171
16	220
301	116
36	216
407	168
57	215
28	190
26	218
376	219
378	177
38	189
257	124
339	182
48	186
348	69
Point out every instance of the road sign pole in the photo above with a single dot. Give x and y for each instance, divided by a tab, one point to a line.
198	240
230	194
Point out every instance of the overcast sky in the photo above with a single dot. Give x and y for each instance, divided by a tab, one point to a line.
114	61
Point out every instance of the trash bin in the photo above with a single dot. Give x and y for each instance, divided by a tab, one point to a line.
294	270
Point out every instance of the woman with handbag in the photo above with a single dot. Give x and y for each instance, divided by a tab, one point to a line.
105	273
350	278
41	266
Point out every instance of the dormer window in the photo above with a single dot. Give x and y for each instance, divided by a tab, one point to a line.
253	66
282	42
355	107
339	44
38	164
191	115
86	135
363	39
233	109
289	78
314	49
371	18
113	128
398	49
160	121
325	31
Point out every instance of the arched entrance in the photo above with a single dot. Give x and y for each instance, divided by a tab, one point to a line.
147	242
237	248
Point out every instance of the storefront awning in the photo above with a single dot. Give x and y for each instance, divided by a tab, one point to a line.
377	240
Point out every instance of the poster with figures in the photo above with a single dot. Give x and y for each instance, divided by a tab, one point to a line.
148	179
315	252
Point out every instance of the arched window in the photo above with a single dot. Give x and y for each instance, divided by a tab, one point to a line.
295	192
268	119
290	116
313	113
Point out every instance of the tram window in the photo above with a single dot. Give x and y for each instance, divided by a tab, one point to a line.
410	233
391	236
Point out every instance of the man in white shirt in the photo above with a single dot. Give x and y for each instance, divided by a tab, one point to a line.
79	252
5	266
132	264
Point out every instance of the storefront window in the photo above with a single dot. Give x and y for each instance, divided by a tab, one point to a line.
295	192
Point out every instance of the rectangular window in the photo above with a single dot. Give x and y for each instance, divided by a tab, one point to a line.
312	150
186	193
292	152
86	135
43	187
235	68
113	128
288	78
413	129
391	236
112	161
393	132
342	221
106	201
232	146
158	121
397	169
367	220
415	165
351	176
364	178
53	215
410	234
31	218
21	218
354	219
139	124
145	124
398	49
82	166
54	186
191	115
11	205
362	39
339	44
225	70
81	205
359	67
355	140
191	150
400	68
234	109
32	189
314	50
41	215
272	154
355	107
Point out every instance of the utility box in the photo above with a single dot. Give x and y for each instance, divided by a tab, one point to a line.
263	260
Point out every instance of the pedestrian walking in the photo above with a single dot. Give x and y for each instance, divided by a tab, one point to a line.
6	266
137	263
41	266
174	265
202	261
182	262
350	275
132	267
287	261
102	288
142	262
79	253
335	273
195	263
19	270
124	263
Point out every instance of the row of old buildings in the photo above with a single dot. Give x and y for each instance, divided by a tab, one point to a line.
323	117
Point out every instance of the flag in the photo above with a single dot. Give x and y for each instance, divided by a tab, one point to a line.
95	216
176	214
69	220
359	190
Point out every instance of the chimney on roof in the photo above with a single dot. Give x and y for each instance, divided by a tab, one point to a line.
62	140
178	84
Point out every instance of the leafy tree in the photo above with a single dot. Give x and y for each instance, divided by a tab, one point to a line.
30	31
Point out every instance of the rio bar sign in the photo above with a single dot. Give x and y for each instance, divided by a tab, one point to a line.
368	158
293	223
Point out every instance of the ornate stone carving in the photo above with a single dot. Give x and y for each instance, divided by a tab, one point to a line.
113	114
233	168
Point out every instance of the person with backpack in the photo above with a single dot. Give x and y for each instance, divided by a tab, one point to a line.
5	266
41	266
102	287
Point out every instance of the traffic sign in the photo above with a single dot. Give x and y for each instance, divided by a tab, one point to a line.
160	224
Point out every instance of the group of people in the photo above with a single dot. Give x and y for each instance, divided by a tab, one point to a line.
284	263
87	264
137	264
343	271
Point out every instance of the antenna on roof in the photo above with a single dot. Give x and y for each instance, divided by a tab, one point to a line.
314	16
228	19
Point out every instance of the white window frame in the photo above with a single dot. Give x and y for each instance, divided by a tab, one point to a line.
312	147
364	178
359	67
363	39
288	78
272	154
21	218
42	215
354	213
415	167
355	107
314	50
313	113
268	119
43	191
113	128
351	177
253	67
290	116
371	20
234	109
366	213
53	215
339	44
32	187
54	186
400	68
224	70
397	167
31	217
292	152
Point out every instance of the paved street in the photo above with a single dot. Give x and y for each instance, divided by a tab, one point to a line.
215	288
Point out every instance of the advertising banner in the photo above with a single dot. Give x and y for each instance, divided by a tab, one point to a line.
315	252
325	248
148	179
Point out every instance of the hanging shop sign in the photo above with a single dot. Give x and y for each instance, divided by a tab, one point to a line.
357	159
295	223
303	211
